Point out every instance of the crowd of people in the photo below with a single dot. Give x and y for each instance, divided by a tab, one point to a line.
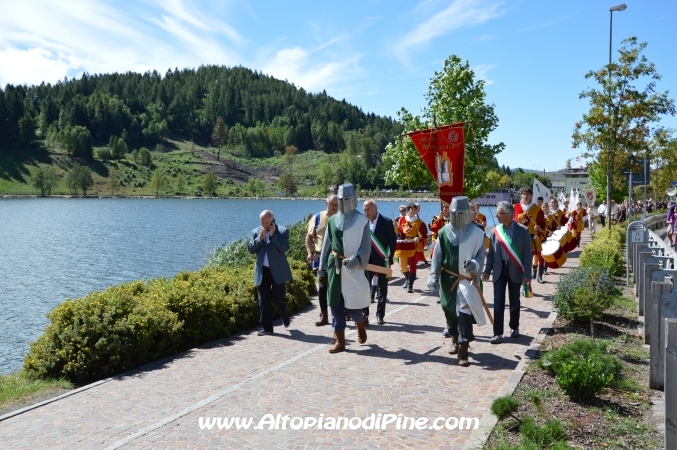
352	255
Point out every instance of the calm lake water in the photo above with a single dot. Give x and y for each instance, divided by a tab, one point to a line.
56	248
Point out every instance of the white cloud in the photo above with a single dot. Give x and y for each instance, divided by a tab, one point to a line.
295	65
460	13
46	41
481	72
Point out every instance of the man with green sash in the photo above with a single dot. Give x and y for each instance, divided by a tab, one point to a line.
509	260
345	255
456	263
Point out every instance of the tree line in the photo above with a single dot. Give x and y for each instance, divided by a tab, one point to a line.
261	115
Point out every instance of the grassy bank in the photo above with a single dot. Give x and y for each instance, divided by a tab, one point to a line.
18	390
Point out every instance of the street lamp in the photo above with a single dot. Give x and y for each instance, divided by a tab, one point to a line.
645	178
632	161
621	7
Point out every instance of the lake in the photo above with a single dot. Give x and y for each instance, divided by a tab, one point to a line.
52	249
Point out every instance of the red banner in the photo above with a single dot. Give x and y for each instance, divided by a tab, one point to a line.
443	151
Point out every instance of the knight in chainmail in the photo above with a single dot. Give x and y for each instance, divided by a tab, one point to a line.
457	260
344	258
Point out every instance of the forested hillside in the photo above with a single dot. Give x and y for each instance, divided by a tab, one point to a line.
262	115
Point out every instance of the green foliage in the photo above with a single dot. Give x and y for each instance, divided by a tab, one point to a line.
45	179
209	183
583	293
605	250
79	179
287	183
621	115
113	181
158	181
502	407
118	148
77	141
583	379
542	437
132	324
454	95
578	350
582	368
180	184
17	385
144	157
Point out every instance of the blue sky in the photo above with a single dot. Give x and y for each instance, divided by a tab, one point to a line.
378	55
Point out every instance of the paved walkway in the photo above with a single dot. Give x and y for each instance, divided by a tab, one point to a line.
404	368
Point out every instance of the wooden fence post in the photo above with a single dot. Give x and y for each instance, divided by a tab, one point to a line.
671	384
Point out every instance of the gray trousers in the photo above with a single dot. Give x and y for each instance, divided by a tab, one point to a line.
461	328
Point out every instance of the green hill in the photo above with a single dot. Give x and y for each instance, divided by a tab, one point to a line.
99	120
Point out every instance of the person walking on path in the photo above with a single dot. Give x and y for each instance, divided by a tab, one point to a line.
601	212
344	258
509	262
457	260
407	240
530	215
315	230
270	243
592	216
435	225
422	238
383	243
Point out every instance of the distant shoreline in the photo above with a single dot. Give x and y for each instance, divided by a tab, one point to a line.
191	197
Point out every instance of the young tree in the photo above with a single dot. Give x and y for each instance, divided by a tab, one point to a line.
287	183
113	181
325	177
180	183
158	181
504	182
290	153
210	183
407	168
219	135
492	180
44	179
454	95
80	178
621	116
118	148
144	157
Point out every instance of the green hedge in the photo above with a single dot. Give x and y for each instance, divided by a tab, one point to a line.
132	324
605	250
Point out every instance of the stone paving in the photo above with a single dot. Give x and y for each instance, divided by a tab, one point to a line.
404	368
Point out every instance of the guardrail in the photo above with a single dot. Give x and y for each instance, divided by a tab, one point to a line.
654	271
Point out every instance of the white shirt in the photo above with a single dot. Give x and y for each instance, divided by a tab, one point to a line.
372	225
265	257
602	210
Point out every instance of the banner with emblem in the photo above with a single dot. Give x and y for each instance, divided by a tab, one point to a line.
590	196
443	152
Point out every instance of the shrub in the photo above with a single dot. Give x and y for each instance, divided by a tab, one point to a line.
582	292
604	254
578	350
583	379
545	436
502	407
132	324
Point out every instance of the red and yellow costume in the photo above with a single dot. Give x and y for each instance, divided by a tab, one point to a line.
435	226
406	247
481	219
532	216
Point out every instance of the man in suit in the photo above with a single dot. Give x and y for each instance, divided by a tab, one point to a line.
270	242
509	260
383	243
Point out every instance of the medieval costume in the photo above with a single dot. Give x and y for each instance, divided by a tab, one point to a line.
407	240
344	258
456	264
581	213
531	215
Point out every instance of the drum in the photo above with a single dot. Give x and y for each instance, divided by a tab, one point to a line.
565	238
553	254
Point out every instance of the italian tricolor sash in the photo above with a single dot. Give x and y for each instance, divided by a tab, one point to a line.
378	247
508	246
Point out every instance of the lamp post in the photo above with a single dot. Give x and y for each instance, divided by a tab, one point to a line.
621	7
645	178
632	161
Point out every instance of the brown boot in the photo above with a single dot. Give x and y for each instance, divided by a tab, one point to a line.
463	354
340	344
361	332
324	319
453	345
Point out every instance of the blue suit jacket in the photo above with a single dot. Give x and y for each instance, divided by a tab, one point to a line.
522	240
276	249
